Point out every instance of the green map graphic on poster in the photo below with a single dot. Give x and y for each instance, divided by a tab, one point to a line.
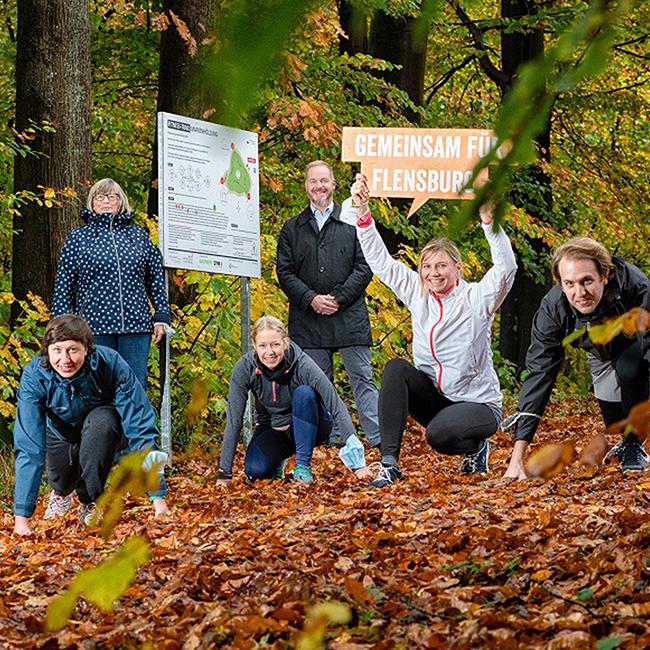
237	179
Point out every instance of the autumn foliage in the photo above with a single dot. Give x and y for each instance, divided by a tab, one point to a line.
435	561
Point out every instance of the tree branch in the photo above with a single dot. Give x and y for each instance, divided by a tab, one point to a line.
493	73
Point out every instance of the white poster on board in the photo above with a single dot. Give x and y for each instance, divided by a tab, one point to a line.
208	196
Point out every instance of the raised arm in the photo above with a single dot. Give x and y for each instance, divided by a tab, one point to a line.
493	288
397	276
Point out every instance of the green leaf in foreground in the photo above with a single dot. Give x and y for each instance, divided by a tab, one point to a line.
128	477
102	585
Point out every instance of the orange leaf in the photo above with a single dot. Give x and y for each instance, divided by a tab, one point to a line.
356	590
550	460
593	454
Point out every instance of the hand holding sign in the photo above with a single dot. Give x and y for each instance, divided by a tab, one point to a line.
417	163
360	193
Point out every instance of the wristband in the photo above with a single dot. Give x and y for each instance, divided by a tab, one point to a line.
365	220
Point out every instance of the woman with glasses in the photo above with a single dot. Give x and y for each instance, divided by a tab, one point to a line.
109	272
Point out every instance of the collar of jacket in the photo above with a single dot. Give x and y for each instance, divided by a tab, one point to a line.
91	364
306	215
104	218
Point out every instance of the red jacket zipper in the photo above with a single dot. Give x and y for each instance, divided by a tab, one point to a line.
433	353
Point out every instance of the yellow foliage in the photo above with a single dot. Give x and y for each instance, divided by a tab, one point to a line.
318	618
102	585
127	477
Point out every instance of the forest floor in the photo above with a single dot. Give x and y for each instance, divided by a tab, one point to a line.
434	561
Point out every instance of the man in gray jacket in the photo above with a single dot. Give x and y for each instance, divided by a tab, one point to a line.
322	271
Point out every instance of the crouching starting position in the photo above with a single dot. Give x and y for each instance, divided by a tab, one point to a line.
591	287
452	388
77	406
296	406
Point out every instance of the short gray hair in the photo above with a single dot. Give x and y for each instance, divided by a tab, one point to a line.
106	186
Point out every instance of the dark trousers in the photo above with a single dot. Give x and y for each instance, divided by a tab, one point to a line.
83	464
311	425
633	373
451	427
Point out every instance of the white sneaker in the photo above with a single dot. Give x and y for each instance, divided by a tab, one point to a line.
58	505
86	513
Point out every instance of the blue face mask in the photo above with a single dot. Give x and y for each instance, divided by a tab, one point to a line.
352	453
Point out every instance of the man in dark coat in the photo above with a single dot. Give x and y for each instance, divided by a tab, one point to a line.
322	270
592	287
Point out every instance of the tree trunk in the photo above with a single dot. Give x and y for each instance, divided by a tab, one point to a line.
392	39
354	23
53	86
180	87
526	294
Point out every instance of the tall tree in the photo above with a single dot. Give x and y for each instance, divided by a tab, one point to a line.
534	193
181	89
521	41
52	89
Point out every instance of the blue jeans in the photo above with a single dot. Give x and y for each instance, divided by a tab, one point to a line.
133	348
311	425
356	360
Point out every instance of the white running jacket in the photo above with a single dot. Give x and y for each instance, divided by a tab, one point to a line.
451	334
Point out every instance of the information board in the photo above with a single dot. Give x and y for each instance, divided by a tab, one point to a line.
208	196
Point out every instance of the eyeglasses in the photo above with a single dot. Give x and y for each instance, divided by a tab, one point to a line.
106	197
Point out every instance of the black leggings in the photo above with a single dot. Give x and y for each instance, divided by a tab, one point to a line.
633	372
84	464
452	427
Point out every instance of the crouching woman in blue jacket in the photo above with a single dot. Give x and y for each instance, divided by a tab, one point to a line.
297	408
77	404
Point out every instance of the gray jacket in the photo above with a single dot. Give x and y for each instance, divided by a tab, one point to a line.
272	396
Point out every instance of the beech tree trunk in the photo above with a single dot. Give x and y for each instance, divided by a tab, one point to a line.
52	86
180	88
526	294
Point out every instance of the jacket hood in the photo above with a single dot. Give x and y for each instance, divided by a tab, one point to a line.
104	218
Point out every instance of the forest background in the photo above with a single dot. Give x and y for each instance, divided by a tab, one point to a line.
297	74
561	563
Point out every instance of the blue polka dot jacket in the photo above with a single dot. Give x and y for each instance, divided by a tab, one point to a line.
108	272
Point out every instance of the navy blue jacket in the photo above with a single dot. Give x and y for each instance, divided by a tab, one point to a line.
108	272
48	401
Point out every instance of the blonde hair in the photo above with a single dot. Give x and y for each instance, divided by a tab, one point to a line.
106	186
440	245
269	323
583	248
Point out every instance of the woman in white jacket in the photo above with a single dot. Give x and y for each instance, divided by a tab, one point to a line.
451	388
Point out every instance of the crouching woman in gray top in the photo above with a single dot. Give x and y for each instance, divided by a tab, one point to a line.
296	409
